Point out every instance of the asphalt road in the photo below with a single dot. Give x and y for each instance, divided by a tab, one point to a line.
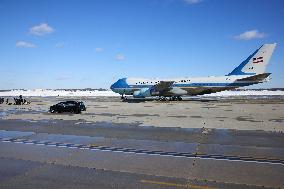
249	159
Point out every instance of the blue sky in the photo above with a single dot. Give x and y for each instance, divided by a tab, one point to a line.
92	43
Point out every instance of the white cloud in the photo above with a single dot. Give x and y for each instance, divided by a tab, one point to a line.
59	45
120	57
24	44
251	34
99	49
190	2
41	29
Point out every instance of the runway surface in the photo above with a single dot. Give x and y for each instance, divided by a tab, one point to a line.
61	153
208	161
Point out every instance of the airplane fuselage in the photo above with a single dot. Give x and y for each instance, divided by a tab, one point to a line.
183	86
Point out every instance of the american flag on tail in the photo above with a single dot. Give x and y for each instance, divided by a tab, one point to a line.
257	60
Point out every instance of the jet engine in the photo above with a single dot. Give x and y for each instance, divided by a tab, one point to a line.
148	92
145	92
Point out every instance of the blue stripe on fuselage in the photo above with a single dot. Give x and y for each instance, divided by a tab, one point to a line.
197	85
211	84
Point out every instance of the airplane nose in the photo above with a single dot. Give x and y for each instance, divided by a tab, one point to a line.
121	83
112	86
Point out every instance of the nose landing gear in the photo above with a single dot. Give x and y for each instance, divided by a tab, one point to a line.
123	97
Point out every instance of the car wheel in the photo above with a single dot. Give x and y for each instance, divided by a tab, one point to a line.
78	111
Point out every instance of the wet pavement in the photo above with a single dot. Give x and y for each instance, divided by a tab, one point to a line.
134	131
270	155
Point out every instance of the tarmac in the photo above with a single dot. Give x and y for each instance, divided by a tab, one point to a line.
197	143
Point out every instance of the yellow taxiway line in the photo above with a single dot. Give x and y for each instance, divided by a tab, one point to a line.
176	184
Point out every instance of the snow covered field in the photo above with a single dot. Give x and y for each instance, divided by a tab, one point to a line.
247	93
46	92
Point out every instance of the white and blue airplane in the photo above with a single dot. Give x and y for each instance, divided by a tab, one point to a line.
250	71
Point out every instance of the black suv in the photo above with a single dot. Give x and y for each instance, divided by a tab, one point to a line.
68	106
2	100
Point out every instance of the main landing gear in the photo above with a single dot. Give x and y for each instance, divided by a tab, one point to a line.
162	98
176	98
173	98
123	97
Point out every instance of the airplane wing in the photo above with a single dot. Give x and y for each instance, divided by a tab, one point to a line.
257	78
163	86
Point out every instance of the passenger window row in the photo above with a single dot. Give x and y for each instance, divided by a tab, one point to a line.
156	82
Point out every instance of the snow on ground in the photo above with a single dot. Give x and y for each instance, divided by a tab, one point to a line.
247	93
47	92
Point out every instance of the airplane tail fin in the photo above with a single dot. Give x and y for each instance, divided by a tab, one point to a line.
256	63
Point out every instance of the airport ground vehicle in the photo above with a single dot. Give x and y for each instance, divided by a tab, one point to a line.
68	106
